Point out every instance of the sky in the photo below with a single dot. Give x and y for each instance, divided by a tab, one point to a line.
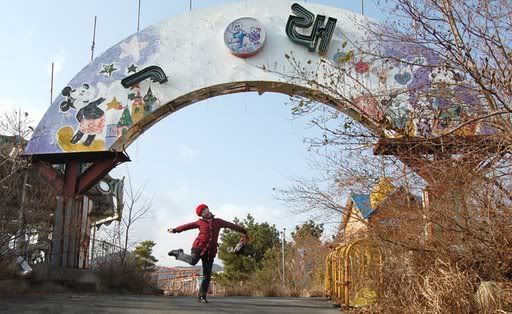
229	152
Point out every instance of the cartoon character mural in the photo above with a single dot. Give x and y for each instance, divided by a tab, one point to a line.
237	34
426	95
244	37
91	118
424	127
255	35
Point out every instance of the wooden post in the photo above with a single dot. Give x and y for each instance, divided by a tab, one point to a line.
84	234
93	245
71	226
346	277
70	184
66	231
56	250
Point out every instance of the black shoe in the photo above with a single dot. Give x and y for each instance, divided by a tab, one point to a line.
202	300
76	137
89	139
175	253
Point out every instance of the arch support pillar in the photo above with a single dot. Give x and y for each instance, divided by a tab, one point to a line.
71	227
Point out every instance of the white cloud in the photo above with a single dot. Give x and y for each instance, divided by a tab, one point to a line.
169	209
176	207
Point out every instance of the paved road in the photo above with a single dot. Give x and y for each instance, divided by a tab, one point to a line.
91	303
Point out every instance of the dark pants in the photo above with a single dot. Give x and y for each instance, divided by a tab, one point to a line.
192	259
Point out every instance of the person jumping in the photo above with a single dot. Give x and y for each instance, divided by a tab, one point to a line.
204	247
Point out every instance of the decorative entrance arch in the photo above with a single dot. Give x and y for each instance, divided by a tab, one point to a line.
237	47
195	52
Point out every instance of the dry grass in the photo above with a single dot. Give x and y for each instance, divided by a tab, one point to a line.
489	297
454	255
446	286
123	278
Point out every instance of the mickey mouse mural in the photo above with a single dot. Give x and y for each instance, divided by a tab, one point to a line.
91	118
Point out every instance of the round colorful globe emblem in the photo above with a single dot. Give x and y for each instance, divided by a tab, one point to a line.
244	37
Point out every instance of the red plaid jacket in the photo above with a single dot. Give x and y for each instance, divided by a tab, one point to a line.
208	236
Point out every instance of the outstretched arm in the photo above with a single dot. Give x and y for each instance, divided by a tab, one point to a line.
232	226
185	227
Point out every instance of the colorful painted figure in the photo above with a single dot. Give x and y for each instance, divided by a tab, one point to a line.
424	127
238	35
91	118
255	35
398	111
244	37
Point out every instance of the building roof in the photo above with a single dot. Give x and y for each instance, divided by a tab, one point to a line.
362	202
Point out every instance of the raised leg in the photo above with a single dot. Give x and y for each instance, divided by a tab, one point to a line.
191	259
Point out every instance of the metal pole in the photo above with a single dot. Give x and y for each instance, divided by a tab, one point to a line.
93	39
138	18
26	233
190	5
51	86
282	251
362	7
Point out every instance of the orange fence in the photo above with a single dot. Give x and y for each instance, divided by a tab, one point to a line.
353	274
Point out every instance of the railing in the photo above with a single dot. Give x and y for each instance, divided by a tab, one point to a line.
179	282
102	252
184	282
32	245
353	276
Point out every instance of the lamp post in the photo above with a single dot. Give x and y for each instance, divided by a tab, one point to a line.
282	251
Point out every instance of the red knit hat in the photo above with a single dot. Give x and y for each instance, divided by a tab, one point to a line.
199	209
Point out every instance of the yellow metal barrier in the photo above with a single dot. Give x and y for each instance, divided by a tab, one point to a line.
353	274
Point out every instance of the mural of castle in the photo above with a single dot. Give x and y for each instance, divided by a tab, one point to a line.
149	102
137	108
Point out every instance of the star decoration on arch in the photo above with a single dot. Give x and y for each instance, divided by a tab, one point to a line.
132	68
115	104
132	48
108	69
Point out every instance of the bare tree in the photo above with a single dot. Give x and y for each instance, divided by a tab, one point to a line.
432	69
473	37
435	71
26	203
136	207
432	86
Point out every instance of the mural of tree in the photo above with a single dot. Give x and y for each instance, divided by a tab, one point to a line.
124	122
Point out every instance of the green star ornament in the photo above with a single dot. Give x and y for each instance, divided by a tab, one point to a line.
108	69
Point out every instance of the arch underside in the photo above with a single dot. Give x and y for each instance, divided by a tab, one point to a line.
232	88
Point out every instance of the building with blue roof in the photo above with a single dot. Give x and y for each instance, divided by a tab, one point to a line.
363	209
